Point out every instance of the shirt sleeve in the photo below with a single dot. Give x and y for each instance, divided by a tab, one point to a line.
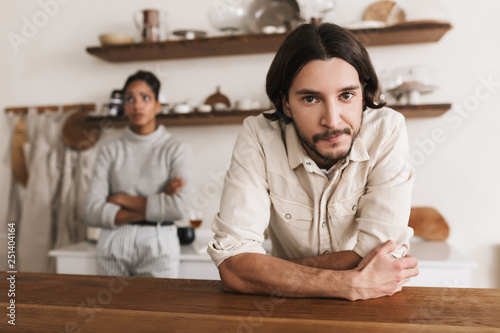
163	207
384	209
245	204
97	212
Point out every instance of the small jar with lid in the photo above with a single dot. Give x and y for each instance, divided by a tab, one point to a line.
115	105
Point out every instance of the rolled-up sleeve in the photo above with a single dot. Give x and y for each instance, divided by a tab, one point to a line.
384	209
97	212
163	207
245	204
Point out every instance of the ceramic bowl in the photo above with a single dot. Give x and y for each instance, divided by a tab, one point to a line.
115	39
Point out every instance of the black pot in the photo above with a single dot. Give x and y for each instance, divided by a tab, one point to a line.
185	234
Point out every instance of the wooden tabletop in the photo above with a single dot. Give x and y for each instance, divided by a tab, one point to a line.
79	303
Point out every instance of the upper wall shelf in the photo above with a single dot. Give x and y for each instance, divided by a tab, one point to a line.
407	33
237	117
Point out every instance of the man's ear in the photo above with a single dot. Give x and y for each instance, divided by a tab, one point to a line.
286	105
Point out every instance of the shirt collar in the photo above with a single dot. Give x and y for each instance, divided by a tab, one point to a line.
297	155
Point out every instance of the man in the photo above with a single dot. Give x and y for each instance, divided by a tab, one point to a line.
326	173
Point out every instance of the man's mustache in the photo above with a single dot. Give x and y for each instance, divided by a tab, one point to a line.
332	133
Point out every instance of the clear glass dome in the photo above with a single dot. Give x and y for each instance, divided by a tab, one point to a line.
229	15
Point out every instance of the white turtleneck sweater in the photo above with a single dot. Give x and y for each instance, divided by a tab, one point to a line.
140	165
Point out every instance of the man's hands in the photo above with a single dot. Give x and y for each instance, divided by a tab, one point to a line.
379	274
174	186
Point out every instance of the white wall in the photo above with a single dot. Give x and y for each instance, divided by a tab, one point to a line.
458	175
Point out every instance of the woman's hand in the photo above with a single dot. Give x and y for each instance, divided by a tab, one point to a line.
117	199
174	186
130	202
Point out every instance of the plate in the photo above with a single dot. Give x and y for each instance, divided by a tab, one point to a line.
364	25
413	86
277	13
189	34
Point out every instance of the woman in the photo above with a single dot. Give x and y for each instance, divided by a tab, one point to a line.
141	184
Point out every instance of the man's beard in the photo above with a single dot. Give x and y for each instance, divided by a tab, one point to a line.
332	158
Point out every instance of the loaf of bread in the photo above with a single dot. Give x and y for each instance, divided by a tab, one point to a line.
428	223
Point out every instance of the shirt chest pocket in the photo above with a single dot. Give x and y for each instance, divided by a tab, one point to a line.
344	211
343	221
292	214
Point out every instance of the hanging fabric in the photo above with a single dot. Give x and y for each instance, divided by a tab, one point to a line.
13	203
10	205
35	236
75	177
49	179
18	160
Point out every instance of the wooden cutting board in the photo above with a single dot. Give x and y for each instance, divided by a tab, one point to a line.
78	133
387	12
428	223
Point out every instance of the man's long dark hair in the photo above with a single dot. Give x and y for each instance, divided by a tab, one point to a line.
318	42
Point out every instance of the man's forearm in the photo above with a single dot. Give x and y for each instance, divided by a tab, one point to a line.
338	260
377	275
262	274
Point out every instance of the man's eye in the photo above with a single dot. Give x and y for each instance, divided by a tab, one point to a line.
146	98
130	100
346	96
310	99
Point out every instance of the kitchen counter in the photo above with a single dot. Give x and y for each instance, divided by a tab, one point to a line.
78	303
440	264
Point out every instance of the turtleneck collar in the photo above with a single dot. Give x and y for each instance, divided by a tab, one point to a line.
138	138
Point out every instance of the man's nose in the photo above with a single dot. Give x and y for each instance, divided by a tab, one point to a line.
331	115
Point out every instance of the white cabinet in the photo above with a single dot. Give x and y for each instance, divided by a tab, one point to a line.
195	262
440	265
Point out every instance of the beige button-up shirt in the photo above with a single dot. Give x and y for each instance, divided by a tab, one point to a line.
272	182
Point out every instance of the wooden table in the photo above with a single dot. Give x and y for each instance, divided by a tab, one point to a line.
80	303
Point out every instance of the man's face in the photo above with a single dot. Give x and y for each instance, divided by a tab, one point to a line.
325	102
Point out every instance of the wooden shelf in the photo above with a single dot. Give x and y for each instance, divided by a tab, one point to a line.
407	33
422	110
237	117
187	119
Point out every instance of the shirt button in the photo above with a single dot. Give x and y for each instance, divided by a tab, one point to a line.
308	163
288	216
354	207
323	224
326	252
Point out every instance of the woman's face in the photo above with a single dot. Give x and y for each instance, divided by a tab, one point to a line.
141	107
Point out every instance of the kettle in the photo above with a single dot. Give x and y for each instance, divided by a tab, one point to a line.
151	24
